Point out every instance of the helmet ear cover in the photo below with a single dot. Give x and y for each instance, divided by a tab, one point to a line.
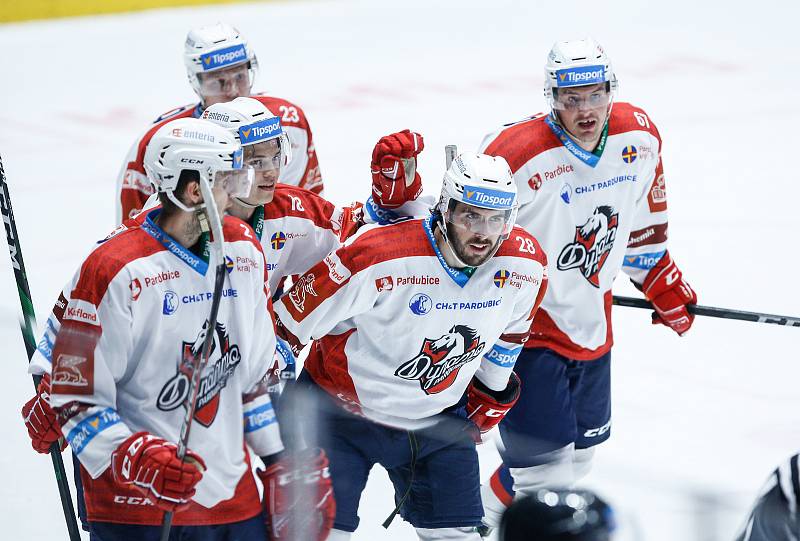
186	176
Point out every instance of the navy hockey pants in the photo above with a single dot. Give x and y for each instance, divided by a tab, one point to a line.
434	470
563	401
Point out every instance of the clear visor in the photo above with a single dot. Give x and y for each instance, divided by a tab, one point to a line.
480	221
236	182
581	98
230	81
265	157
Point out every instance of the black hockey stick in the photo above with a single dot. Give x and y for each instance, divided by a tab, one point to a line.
211	215
27	324
712	311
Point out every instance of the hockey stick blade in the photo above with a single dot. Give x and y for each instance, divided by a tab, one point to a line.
713	311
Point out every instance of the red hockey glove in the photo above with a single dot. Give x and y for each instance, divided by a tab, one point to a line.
298	497
669	294
40	419
151	464
351	220
394	169
486	408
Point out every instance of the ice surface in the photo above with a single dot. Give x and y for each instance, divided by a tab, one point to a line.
698	421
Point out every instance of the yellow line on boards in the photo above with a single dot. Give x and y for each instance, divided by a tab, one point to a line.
25	10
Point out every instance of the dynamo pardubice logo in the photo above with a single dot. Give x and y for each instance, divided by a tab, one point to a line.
222	363
437	364
593	242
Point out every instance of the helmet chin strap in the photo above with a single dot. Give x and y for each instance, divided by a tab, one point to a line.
443	229
245	204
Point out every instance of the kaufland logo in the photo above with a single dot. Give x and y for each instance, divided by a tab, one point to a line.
488	198
259	131
585	75
223	57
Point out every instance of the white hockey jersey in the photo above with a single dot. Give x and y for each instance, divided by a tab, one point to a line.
297	229
136	316
593	215
133	186
400	334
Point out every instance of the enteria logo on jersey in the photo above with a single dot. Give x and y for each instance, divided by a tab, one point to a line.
264	129
223	57
492	199
585	75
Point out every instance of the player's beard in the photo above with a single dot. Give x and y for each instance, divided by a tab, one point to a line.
191	228
461	250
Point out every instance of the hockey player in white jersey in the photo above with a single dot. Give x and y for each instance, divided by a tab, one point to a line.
220	65
125	348
591	188
417	327
296	227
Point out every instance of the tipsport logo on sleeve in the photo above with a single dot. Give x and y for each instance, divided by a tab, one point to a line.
584	75
264	129
483	197
223	57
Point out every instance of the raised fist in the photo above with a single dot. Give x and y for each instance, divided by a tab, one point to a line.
394	169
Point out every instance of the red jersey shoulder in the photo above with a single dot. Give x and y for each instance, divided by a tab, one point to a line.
290	113
381	243
626	117
177	112
236	230
169	116
520	141
110	257
520	243
295	201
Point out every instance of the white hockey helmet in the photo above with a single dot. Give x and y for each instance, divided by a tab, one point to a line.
251	122
574	63
481	181
197	145
214	47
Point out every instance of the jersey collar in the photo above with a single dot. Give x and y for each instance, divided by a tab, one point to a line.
589	158
171	245
459	276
